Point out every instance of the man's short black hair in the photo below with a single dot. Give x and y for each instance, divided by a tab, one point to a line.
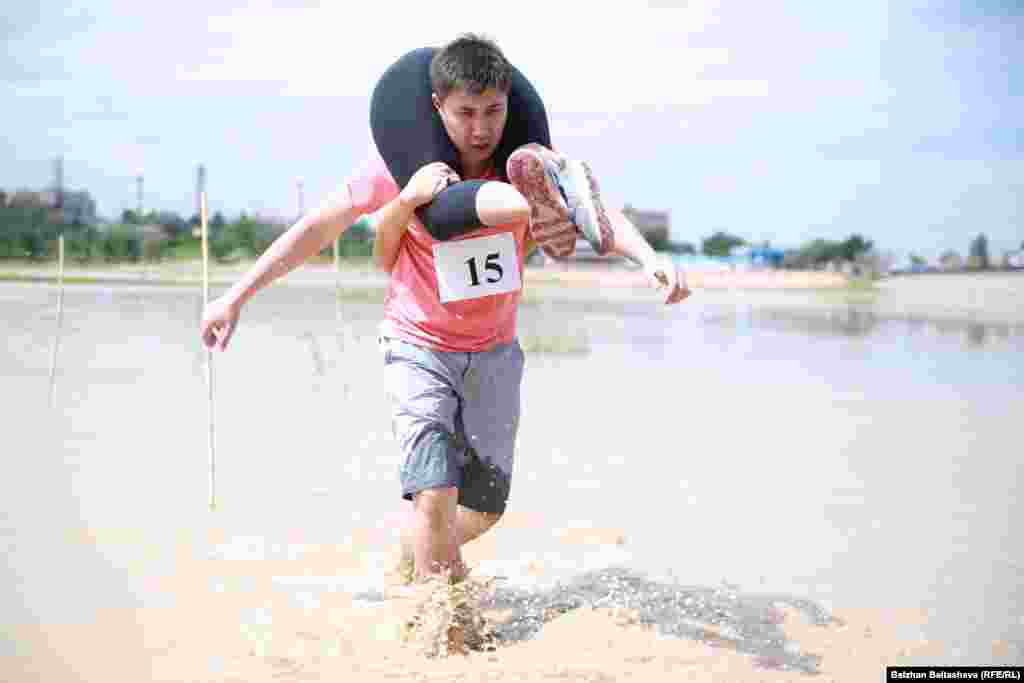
470	62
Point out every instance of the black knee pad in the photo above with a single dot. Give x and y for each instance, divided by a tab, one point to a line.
454	216
409	134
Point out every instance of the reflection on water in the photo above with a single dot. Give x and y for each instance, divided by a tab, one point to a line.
854	321
827	397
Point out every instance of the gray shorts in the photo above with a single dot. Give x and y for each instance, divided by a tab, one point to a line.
455	418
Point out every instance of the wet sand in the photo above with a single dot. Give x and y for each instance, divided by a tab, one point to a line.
273	620
747	501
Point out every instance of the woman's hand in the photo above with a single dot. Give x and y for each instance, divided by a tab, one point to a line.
665	276
427	182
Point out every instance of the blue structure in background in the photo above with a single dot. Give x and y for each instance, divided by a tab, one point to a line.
764	257
741	258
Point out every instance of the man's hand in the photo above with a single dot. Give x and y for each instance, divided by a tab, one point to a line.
665	276
219	321
427	182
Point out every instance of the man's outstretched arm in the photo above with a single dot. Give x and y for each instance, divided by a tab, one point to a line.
308	236
662	272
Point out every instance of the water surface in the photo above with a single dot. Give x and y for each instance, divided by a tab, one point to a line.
835	455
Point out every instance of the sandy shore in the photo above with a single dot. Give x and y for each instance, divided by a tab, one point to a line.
288	624
978	297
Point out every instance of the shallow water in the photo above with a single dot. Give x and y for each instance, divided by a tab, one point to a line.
833	455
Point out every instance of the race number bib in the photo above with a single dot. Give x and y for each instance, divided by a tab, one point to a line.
481	266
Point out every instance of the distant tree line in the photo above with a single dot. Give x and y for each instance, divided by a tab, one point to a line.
820	252
855	250
817	252
31	233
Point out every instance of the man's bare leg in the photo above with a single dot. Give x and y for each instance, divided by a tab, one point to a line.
435	546
469	525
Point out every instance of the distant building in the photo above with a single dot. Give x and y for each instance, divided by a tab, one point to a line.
1013	259
78	206
653	225
583	254
951	260
27	199
151	232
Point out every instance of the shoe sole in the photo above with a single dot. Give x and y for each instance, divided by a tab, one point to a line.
550	225
594	223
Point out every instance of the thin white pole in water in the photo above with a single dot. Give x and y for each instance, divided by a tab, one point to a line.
209	353
337	258
60	316
337	278
337	293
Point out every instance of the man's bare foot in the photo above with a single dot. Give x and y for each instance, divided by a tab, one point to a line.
447	617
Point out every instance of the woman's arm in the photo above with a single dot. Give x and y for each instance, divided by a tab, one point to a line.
661	272
394	217
392	221
627	240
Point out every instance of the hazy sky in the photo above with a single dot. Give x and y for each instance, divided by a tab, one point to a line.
778	120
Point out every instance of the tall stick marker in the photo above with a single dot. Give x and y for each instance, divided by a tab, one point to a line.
60	316
337	288
209	353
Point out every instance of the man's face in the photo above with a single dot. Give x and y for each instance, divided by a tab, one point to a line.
474	122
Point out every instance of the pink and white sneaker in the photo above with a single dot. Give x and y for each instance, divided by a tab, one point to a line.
531	170
560	190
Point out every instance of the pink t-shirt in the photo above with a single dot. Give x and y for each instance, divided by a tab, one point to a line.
461	295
